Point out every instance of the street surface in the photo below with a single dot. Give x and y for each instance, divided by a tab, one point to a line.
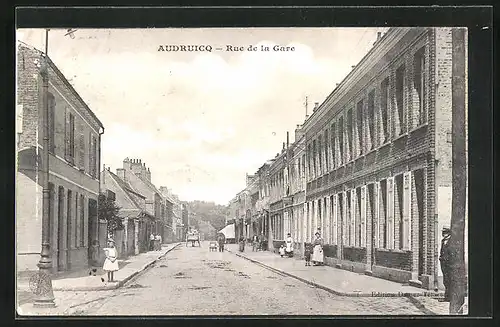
194	281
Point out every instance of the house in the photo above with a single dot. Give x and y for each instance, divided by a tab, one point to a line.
74	158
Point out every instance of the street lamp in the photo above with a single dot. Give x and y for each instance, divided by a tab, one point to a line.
42	282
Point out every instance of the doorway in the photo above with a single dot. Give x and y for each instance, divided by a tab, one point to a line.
60	229
92	230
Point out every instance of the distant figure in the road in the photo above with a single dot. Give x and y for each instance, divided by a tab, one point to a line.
221	241
317	256
289	245
444	260
255	243
111	262
262	242
151	242
242	244
307	254
282	250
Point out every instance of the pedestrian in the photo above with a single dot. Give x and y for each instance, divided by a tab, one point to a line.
221	243
282	250
160	241
262	241
255	243
444	260
317	255
151	241
157	242
242	244
111	262
307	253
289	245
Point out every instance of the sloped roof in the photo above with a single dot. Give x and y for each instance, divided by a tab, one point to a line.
127	188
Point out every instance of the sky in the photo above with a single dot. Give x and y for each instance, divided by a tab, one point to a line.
201	120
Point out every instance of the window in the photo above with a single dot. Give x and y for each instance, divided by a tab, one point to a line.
398	186
350	222
314	158
384	110
333	134
303	164
82	220
371	120
309	156
320	157
341	140
320	218
52	107
383	214
359	125
77	220
327	146
400	119
418	94
93	156
69	217
70	137
350	134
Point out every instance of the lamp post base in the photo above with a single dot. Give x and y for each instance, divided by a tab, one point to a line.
41	286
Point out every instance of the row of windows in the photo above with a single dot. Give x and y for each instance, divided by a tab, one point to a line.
387	204
370	123
70	142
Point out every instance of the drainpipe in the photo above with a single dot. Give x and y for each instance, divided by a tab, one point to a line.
98	246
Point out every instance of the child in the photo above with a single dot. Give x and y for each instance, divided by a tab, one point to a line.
307	254
282	250
111	262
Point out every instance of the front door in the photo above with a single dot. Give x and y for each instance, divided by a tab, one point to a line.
92	230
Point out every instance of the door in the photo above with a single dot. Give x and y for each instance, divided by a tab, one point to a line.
60	229
92	230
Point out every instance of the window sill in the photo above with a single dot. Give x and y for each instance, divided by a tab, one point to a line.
400	137
393	250
421	126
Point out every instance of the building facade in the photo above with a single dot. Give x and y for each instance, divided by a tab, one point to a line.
74	159
376	160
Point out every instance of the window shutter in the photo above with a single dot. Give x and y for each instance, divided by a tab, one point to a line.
407	210
345	221
334	218
67	141
81	147
390	213
353	217
91	155
52	105
363	216
376	216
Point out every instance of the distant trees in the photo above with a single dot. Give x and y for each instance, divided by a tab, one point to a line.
207	211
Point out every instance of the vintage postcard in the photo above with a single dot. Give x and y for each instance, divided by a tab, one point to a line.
241	171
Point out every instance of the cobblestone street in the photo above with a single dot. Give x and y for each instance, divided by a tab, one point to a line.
194	281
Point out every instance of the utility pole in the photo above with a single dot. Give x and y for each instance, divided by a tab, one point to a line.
457	282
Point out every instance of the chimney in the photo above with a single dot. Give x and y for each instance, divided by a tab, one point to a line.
298	133
287	139
120	172
316	105
283	145
353	66
379	35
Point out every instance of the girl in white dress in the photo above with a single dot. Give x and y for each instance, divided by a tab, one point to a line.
111	262
317	255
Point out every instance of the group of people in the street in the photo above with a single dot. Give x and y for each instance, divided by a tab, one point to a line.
312	252
155	242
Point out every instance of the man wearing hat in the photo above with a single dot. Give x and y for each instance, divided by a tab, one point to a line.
444	259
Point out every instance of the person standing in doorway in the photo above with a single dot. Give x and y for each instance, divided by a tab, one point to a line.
151	242
444	260
289	245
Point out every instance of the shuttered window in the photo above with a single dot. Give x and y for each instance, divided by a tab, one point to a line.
52	107
70	137
81	148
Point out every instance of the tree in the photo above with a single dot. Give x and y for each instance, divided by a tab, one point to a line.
109	210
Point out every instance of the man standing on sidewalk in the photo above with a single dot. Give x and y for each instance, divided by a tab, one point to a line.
444	259
151	241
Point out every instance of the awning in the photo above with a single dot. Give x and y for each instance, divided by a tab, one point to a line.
228	231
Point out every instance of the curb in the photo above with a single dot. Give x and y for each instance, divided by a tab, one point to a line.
330	290
120	283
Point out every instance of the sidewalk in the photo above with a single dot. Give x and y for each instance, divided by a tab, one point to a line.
89	279
343	282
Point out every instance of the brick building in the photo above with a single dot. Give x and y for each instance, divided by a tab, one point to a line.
376	157
74	159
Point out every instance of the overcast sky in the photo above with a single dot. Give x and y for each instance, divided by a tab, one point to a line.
201	120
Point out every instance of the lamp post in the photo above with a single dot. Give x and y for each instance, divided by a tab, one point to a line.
42	282
44	291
